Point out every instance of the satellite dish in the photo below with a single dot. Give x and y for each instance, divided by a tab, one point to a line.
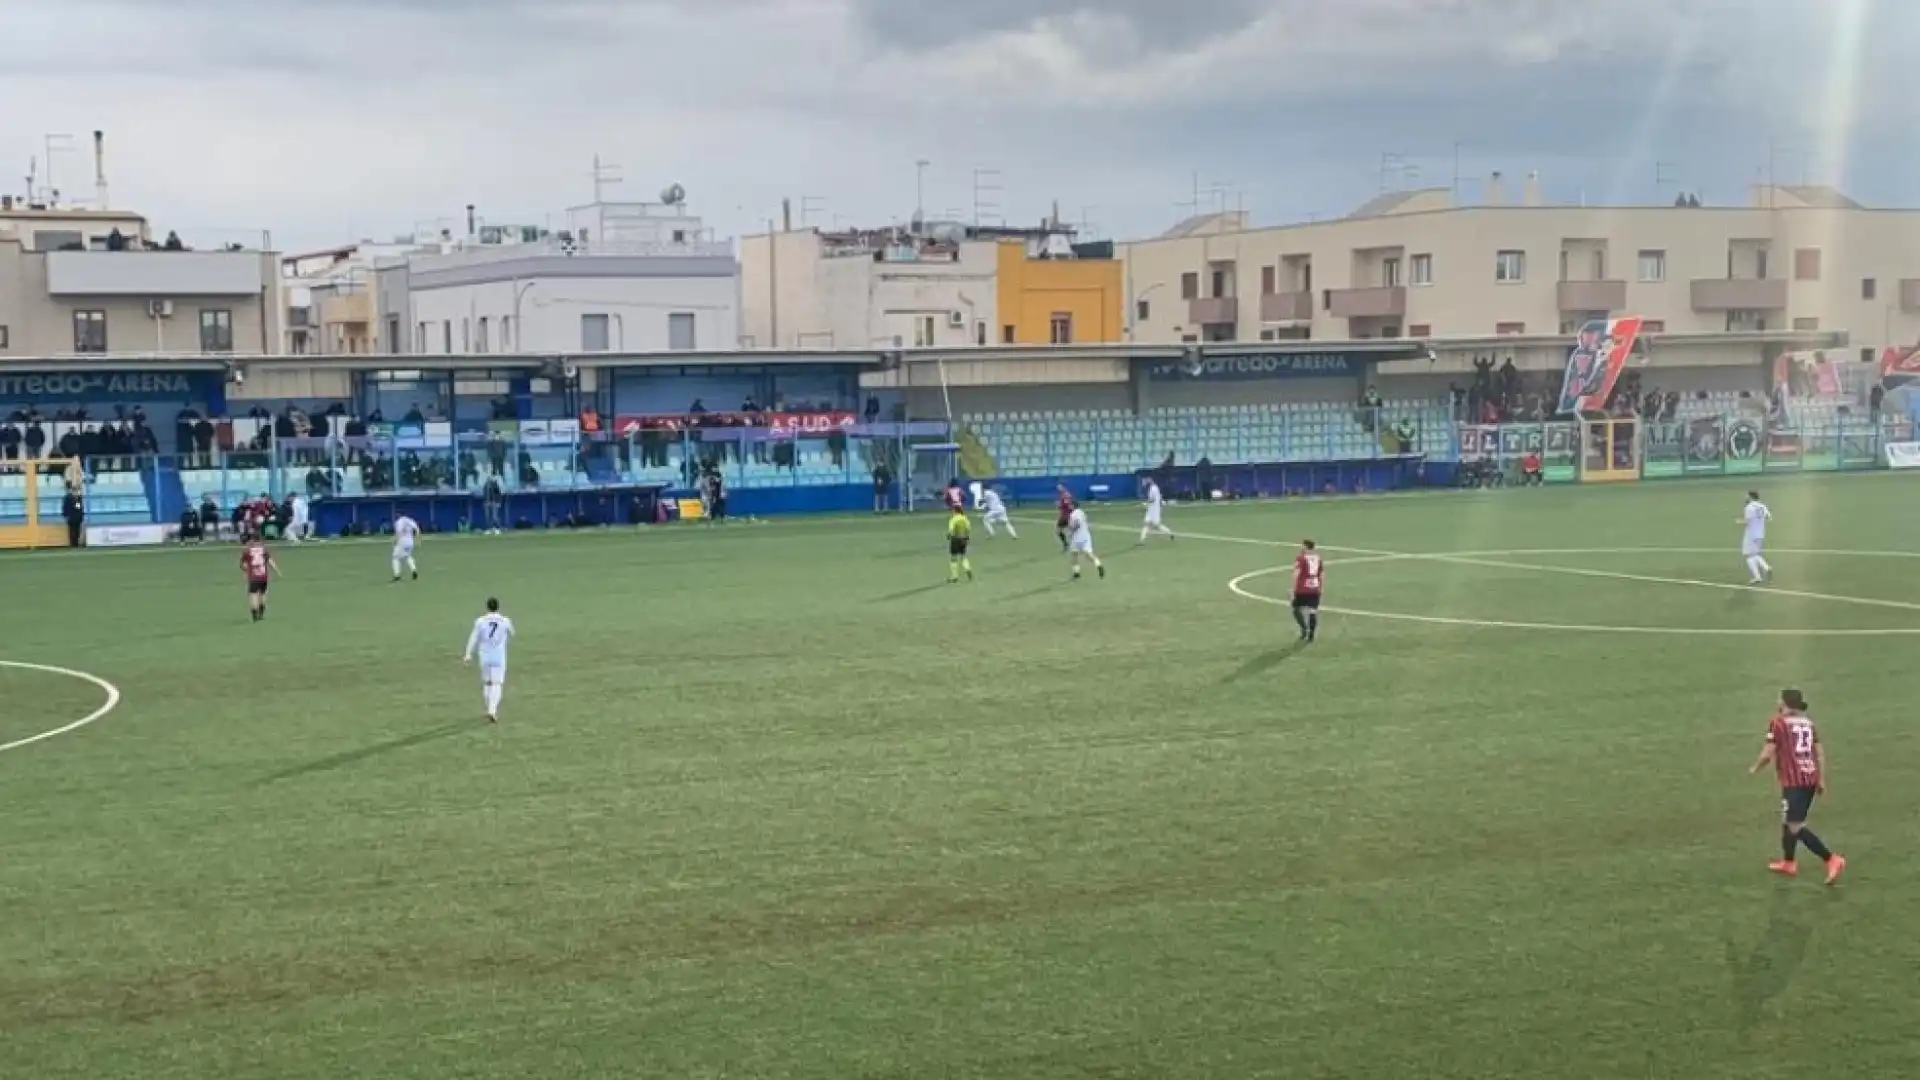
674	195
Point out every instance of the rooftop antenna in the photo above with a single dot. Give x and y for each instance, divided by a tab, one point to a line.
986	198
1665	174
811	206
33	180
920	190
603	174
1390	165
56	144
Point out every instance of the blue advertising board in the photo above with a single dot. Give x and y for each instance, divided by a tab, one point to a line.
201	388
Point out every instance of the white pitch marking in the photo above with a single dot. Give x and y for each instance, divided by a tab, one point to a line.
112	692
1235	586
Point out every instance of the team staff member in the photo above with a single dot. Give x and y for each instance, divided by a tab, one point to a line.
1800	763
75	512
959	531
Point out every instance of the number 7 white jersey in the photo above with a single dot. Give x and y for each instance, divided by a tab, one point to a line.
491	632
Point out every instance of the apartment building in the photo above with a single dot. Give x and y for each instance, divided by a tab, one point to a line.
1412	264
928	285
621	277
92	282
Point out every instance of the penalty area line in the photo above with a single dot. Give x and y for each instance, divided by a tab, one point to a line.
112	702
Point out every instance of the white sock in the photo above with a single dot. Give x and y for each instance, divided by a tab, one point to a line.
396	568
411	567
1143	534
1753	565
493	700
1765	566
989	524
1010	531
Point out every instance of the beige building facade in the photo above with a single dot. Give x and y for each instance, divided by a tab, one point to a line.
67	289
1413	265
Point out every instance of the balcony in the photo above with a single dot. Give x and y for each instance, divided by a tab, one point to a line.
1208	310
1739	294
1286	307
1389	302
1592	295
347	309
1910	295
299	318
155	273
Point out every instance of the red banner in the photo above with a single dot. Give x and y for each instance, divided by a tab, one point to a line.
779	425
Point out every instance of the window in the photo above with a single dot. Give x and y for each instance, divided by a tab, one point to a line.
923	331
980	331
1806	324
1869	288
1390	272
89	331
1760	264
3	337
1217	281
1266	335
466	335
1653	266
420	338
1600	264
1508	328
1806	264
1422	268
1188	339
1060	328
1510	267
506	332
1006	334
1141	310
1190	285
679	236
216	331
1866	354
595	333
393	334
1653	326
1268	277
446	336
1420	329
680	331
480	340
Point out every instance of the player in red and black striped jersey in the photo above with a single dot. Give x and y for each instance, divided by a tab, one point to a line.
1309	574
956	497
256	562
1064	501
1800	764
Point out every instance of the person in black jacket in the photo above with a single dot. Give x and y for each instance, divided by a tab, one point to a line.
75	513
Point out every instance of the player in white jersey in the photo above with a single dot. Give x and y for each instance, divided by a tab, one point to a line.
1754	518
1080	542
491	633
996	513
1154	506
406	532
299	524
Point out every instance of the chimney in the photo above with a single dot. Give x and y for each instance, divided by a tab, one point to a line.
1496	194
471	224
100	168
786	215
1530	195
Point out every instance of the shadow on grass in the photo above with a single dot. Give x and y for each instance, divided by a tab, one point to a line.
351	757
1267	661
907	594
1764	974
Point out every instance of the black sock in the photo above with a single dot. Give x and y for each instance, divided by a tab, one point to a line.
1313	623
1788	841
1300	619
1814	845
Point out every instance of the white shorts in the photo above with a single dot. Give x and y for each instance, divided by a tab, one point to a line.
402	549
1750	547
999	515
1082	542
493	674
1153	515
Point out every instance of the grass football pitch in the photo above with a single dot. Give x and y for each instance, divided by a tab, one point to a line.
773	800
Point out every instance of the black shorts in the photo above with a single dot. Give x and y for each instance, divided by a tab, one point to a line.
1307	600
257	588
1796	803
956	546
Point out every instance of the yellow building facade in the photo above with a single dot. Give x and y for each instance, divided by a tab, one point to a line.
1058	301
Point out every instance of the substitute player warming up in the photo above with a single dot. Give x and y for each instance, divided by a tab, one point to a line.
1308	574
1080	542
958	533
406	532
1155	505
1754	518
1800	762
491	632
256	562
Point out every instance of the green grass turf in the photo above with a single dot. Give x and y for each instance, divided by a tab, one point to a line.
774	801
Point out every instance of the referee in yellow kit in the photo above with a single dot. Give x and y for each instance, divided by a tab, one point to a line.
959	531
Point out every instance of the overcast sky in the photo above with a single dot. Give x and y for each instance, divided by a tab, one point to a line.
329	120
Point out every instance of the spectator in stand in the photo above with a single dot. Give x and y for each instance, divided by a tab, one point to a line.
9	441
696	408
1876	398
1404	435
203	434
414	415
75	514
873	409
35	439
496	453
